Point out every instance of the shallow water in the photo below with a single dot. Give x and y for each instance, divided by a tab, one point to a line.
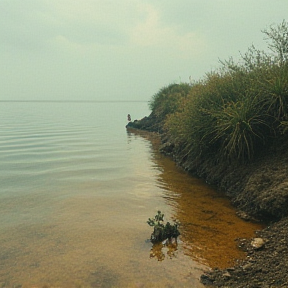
76	192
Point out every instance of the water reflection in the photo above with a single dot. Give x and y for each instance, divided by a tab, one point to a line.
87	227
75	198
209	225
164	249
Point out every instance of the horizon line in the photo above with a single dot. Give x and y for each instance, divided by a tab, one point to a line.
74	101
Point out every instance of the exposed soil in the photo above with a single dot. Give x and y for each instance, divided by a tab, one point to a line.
259	191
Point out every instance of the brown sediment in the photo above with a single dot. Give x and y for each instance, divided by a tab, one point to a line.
209	223
265	266
258	190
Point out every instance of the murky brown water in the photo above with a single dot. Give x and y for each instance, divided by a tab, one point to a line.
87	232
209	225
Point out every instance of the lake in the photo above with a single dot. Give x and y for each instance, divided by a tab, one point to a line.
76	192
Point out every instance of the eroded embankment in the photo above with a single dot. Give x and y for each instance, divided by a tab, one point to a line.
258	190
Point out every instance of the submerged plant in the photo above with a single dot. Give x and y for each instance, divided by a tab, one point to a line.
162	232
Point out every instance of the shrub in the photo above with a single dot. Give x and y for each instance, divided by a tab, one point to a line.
233	111
167	100
162	232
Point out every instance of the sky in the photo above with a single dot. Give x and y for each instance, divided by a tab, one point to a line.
122	50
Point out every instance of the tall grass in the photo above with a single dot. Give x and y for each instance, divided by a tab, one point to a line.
240	127
235	111
223	116
274	87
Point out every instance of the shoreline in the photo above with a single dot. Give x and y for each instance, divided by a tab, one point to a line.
259	192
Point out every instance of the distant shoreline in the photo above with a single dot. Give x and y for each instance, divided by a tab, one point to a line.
74	101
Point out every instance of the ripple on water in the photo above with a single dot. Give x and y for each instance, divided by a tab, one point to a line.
77	190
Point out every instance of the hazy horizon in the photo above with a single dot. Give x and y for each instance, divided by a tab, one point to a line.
96	50
77	101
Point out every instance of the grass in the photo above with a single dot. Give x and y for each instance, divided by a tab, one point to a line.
233	112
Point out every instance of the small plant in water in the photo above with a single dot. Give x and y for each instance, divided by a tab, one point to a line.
162	232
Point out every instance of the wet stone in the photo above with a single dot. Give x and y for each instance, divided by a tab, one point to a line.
226	275
257	243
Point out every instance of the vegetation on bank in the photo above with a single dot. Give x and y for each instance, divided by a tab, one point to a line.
162	232
235	111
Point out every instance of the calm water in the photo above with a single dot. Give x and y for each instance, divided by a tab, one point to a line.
76	191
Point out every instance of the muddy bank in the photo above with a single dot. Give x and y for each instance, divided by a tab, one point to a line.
259	191
266	264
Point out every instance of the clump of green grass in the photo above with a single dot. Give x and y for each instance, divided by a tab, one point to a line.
240	127
284	126
274	86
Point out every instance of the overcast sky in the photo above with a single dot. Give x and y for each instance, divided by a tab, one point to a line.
121	49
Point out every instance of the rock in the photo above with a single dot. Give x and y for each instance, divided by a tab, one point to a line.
243	215
230	269
226	275
247	266
257	243
207	279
